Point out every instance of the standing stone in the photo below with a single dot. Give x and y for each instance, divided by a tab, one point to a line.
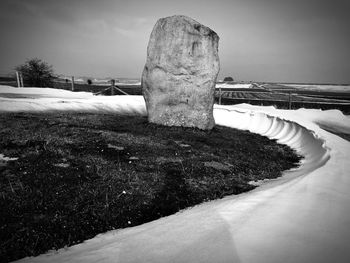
178	81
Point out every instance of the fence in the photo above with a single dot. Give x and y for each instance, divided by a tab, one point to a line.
111	88
16	80
8	80
285	99
257	94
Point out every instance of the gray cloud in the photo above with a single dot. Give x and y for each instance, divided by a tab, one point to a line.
281	40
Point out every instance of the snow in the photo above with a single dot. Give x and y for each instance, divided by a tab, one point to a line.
47	99
79	80
138	83
43	92
303	216
233	86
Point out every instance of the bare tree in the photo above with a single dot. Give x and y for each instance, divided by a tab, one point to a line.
37	73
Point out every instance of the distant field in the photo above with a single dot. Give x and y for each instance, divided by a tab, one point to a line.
279	95
327	97
280	104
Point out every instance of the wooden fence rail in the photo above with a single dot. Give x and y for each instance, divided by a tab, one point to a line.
230	94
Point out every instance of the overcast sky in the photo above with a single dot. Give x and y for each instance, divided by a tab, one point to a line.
261	40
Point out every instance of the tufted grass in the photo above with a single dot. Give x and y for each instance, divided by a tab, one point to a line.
79	174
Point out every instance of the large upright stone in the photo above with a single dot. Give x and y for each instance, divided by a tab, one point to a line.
178	81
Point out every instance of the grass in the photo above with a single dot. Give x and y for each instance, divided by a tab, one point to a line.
79	175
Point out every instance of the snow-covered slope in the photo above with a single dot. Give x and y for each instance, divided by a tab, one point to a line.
47	99
302	217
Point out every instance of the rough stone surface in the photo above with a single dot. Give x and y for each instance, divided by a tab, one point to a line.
178	81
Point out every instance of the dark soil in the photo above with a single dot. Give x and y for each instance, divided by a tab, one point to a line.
78	175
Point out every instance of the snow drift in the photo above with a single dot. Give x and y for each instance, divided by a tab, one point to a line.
305	141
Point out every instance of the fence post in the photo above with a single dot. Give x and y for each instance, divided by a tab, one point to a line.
290	100
220	96
17	77
72	83
112	87
21	79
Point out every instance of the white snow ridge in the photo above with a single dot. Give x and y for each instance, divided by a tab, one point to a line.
304	216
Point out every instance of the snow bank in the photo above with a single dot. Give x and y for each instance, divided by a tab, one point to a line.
305	141
43	93
302	217
46	99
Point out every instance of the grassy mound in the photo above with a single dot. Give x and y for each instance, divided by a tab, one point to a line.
78	175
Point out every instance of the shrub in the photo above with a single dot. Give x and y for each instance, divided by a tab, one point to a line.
228	79
37	73
89	81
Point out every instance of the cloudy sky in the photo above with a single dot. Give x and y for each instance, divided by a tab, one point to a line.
261	40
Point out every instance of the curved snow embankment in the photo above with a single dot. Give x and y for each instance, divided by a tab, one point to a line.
48	99
304	141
